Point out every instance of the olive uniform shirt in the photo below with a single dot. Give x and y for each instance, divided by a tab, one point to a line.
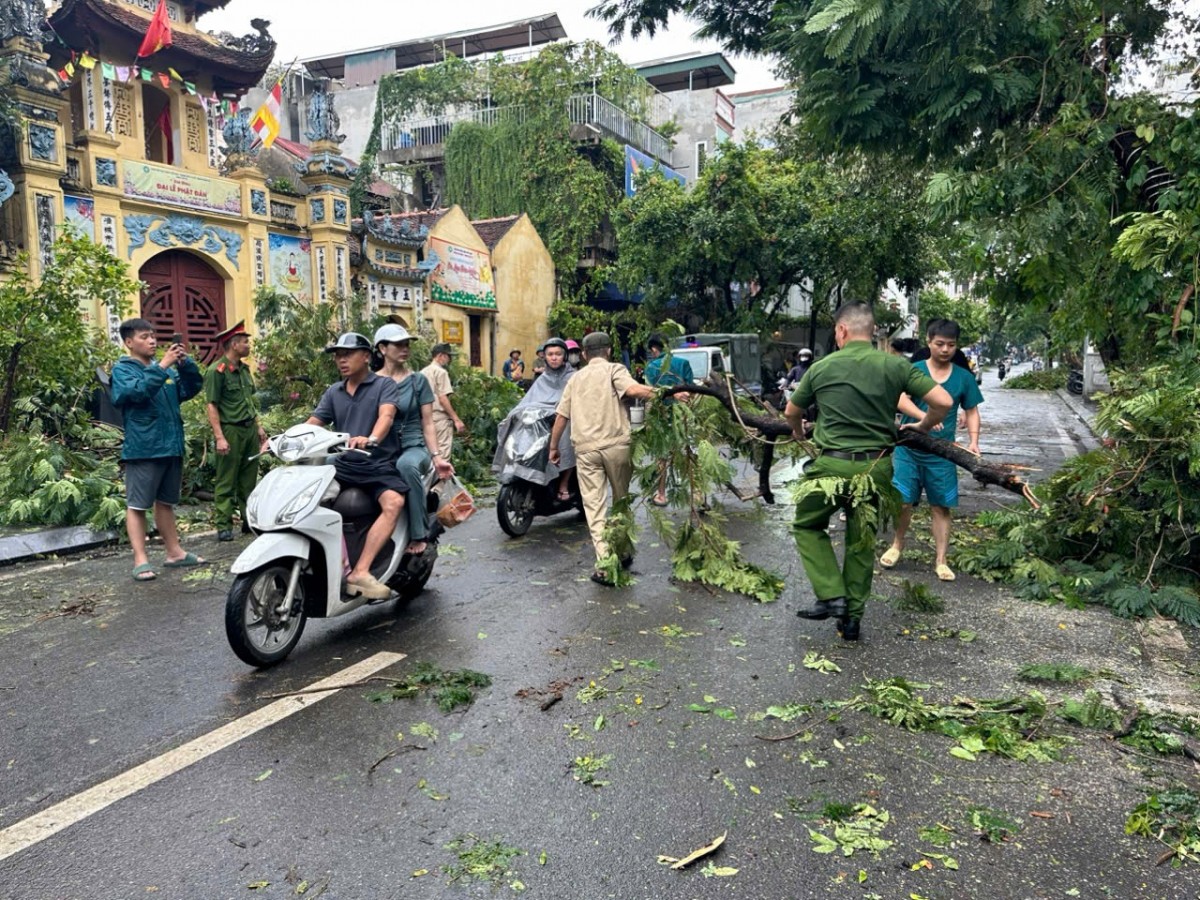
230	388
857	389
594	392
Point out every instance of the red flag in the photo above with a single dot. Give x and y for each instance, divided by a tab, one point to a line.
163	125
158	35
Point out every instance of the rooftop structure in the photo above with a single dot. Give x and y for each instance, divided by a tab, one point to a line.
688	72
232	64
369	64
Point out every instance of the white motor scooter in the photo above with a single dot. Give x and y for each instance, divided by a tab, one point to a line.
310	533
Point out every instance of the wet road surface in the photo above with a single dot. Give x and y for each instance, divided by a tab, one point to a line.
664	689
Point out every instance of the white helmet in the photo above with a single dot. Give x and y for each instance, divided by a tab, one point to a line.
391	333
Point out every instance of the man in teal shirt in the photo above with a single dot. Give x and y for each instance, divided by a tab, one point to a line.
856	390
915	471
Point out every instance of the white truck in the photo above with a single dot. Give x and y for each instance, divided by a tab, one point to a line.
721	353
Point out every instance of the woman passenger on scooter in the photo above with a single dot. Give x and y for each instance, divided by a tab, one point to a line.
414	425
545	392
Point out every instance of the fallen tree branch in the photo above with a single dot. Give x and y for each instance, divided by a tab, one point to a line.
1003	475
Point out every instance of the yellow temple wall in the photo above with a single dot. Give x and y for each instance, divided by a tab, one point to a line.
524	273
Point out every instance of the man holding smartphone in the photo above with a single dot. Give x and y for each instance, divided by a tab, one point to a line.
149	394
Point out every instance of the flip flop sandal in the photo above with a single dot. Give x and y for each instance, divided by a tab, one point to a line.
144	572
656	502
191	559
890	557
945	573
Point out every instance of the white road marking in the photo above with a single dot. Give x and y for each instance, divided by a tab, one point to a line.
49	822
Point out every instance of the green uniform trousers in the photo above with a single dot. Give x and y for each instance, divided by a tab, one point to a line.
810	528
236	473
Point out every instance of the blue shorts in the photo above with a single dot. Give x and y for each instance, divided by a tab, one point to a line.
913	470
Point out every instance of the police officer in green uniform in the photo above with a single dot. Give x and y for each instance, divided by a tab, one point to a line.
856	390
233	415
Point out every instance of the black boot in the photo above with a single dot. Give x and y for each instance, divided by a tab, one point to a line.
848	628
823	609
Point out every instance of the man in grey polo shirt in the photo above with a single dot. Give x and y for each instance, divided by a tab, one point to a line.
364	405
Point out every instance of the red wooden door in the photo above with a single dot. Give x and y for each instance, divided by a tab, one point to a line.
184	294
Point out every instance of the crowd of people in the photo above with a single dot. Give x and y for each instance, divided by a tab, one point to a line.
856	399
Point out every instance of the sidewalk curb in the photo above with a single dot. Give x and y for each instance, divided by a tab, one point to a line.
1085	412
37	542
30	544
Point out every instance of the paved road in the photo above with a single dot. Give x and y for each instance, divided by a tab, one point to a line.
99	675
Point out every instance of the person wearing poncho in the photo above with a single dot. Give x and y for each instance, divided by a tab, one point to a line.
513	446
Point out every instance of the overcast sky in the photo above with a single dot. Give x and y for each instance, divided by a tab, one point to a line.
367	23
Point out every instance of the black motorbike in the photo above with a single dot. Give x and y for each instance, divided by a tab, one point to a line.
528	480
1075	382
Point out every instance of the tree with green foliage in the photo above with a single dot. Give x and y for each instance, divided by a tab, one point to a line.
48	352
1042	145
970	314
758	222
56	466
526	160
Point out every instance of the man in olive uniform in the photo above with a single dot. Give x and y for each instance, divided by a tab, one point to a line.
856	390
600	434
233	415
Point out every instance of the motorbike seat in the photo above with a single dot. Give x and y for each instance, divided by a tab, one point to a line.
355	503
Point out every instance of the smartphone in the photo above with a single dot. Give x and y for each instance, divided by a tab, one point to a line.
176	338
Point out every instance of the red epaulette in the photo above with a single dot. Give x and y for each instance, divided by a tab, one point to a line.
221	367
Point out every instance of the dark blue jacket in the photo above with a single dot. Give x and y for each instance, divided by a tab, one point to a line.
149	397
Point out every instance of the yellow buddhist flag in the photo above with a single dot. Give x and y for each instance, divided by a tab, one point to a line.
265	122
86	61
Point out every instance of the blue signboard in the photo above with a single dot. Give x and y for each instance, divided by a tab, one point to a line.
636	162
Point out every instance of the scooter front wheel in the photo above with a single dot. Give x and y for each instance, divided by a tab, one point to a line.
514	508
259	633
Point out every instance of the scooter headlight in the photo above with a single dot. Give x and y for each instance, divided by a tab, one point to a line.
289	448
288	514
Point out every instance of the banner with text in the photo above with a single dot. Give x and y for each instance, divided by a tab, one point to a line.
463	276
161	184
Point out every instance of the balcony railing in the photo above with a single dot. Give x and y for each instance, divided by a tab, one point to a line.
593	110
431	131
589	110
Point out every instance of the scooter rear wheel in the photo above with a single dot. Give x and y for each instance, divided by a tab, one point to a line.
514	509
256	631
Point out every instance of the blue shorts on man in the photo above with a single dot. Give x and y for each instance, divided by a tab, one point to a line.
913	471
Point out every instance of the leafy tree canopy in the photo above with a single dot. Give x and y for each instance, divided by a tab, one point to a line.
1042	144
771	220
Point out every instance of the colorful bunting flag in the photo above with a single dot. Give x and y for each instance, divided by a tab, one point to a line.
190	88
108	70
174	74
69	68
147	75
164	79
87	61
123	73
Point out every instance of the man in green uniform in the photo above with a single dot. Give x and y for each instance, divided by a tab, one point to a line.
856	391
233	415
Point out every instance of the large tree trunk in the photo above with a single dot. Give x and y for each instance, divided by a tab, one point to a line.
9	389
1004	475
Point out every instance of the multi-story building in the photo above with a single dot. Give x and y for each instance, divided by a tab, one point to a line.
151	156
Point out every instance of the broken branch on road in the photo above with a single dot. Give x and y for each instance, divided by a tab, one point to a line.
1002	475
